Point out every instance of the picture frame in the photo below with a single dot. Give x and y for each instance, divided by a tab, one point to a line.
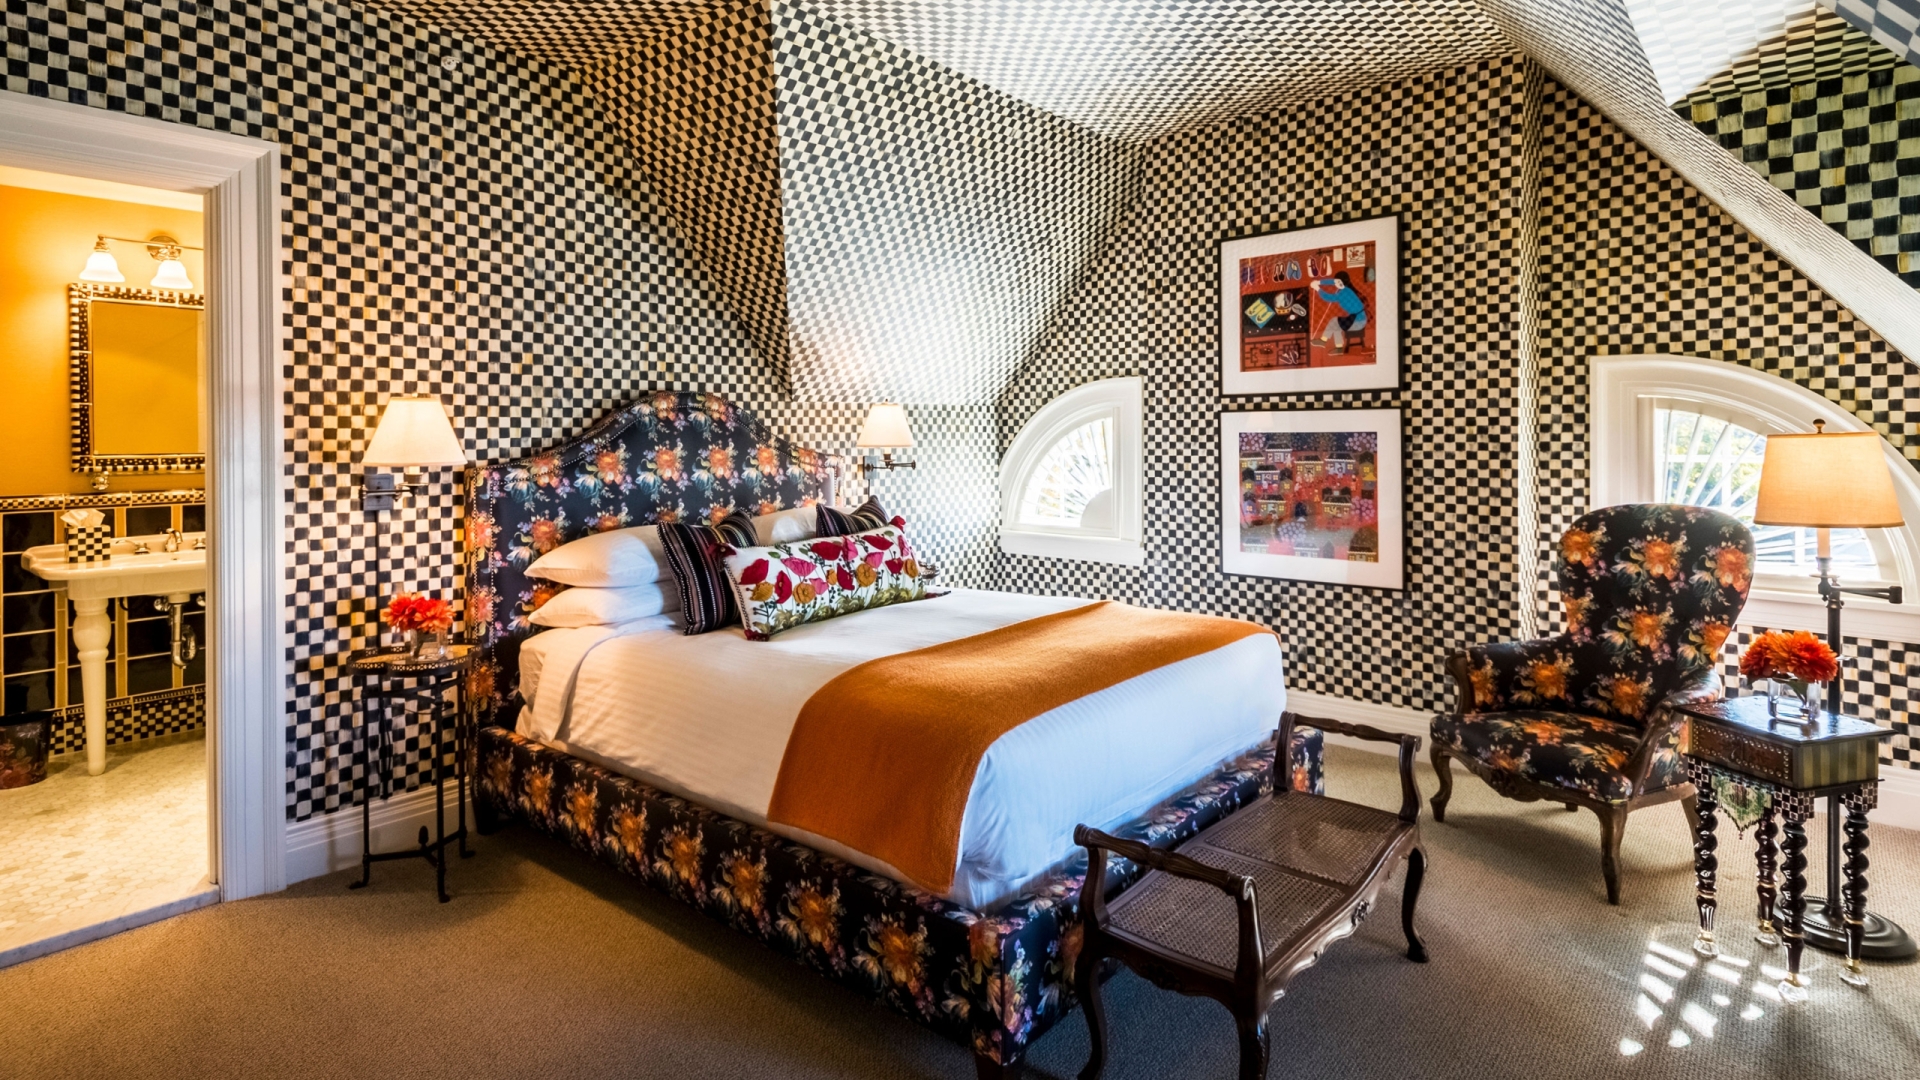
1301	488
1313	310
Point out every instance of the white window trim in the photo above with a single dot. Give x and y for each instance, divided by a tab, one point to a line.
1619	387
1123	544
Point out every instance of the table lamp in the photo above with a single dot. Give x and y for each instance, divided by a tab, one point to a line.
1825	481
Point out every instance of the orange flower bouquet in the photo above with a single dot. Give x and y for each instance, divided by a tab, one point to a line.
1798	659
419	615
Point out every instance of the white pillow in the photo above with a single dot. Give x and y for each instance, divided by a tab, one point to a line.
612	559
609	606
787	526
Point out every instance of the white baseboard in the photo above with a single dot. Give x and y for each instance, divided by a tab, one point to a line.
1899	787
328	842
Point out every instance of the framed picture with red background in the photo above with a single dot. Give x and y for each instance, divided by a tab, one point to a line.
1311	310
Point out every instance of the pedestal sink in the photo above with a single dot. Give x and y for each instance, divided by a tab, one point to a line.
176	575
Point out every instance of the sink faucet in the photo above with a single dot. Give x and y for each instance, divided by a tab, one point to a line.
175	541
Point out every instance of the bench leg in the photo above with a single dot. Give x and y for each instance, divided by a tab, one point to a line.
989	1069
1409	897
1253	1048
1444	770
1086	985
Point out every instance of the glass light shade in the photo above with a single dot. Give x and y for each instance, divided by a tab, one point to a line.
102	267
886	427
1826	481
172	275
414	432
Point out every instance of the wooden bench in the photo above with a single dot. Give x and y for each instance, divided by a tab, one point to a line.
1239	909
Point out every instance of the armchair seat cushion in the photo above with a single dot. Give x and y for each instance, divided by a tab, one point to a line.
1586	755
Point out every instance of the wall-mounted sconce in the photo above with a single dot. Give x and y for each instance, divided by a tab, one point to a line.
414	434
886	431
165	250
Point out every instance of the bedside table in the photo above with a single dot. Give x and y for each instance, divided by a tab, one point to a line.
436	685
1761	766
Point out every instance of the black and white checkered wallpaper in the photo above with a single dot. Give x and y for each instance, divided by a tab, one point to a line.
457	221
1634	260
1831	117
1444	152
1893	23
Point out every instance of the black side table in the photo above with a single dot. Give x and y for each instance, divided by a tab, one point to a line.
386	678
1765	766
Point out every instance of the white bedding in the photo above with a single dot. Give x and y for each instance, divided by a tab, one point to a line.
707	717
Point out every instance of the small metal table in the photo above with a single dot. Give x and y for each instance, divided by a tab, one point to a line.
1763	766
390	677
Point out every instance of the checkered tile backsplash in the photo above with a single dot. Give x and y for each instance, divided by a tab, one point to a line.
1634	260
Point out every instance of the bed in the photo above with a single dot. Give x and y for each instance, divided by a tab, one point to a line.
654	751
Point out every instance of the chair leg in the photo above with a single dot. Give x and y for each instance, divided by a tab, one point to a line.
1086	985
1409	898
1253	1048
1613	828
1570	808
1441	768
988	1069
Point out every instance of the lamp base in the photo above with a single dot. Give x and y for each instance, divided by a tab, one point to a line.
1884	939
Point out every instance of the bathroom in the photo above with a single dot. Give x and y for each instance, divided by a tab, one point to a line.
103	559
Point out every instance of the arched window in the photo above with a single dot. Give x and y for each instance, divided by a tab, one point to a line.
1070	485
1686	430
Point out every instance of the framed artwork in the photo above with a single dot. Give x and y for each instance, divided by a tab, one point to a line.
1314	495
1311	310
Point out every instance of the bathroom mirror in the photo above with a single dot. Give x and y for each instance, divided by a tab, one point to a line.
135	379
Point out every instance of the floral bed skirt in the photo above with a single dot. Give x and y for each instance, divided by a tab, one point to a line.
993	981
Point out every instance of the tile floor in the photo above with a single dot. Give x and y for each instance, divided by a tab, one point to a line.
79	850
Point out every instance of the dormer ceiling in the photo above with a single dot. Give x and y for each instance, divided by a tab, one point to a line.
875	186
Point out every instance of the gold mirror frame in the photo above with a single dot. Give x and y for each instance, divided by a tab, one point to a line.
80	379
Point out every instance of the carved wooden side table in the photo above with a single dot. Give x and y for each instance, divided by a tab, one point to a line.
1760	767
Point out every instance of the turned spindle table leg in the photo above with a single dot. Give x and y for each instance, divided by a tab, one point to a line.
1796	811
1766	856
1857	805
1705	864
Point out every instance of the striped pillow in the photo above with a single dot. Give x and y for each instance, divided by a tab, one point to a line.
864	518
696	554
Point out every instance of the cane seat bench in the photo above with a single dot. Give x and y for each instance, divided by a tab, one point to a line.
1239	909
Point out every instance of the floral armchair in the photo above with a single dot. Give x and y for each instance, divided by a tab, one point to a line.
1586	718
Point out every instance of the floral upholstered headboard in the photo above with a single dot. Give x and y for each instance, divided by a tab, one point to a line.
669	457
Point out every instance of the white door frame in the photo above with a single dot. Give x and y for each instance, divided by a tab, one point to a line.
246	743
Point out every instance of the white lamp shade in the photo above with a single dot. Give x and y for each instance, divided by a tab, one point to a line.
886	427
413	432
172	275
102	267
1827	481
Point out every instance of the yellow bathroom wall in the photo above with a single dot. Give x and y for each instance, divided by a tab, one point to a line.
45	237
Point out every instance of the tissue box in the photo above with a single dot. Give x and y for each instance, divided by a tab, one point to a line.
89	543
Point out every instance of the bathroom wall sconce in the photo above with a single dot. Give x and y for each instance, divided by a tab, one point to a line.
165	250
414	434
885	430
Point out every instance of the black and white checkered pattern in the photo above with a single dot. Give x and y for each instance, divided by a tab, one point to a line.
1893	23
1445	153
1827	115
89	543
1626	252
132	719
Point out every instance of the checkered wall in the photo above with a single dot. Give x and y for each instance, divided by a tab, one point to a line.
456	221
1893	23
1832	118
1634	260
1446	153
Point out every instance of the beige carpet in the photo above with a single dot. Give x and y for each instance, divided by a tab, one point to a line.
546	965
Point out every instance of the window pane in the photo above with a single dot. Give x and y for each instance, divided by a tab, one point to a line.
1703	460
1077	468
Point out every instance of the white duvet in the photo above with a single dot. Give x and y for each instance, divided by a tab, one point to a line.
707	717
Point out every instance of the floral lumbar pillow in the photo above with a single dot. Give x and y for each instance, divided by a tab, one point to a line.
781	586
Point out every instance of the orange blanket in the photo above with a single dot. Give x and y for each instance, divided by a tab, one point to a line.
882	757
